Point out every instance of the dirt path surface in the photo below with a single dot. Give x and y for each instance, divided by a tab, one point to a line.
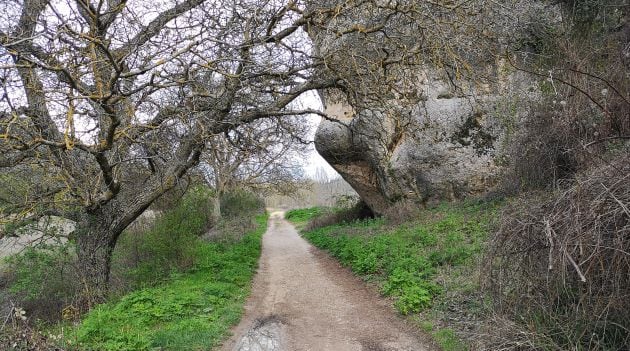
303	300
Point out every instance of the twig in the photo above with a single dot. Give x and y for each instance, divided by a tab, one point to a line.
606	139
577	269
6	320
623	206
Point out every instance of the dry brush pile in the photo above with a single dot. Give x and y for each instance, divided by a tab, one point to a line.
560	262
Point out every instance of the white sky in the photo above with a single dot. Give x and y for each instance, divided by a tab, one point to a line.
313	160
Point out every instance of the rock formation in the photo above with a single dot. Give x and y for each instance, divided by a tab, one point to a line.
445	142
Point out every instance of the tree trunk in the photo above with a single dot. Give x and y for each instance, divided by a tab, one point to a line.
216	208
95	244
98	230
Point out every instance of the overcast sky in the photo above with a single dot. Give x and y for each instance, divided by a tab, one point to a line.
313	160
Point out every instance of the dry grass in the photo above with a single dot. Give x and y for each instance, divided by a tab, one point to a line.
560	262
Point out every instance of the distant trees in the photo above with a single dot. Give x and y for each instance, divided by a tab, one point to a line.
262	156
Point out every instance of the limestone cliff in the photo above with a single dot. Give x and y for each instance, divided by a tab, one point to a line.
424	132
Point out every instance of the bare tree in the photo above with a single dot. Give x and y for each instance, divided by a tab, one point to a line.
102	96
262	156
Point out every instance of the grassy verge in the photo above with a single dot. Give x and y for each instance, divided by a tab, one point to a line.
420	264
192	311
300	217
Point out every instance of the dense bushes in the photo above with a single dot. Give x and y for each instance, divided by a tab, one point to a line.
43	280
560	262
559	268
582	107
240	204
348	209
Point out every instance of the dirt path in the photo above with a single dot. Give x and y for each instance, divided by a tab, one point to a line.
303	300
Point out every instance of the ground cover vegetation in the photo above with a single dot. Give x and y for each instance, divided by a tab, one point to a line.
178	281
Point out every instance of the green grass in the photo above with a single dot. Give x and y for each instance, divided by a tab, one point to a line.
192	311
425	265
303	215
444	337
413	262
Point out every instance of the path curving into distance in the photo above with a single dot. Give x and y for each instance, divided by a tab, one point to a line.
304	300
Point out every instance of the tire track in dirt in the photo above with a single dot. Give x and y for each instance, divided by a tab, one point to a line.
304	300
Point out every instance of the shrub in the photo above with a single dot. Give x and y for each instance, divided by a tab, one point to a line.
146	254
241	203
583	109
239	208
353	212
43	280
559	262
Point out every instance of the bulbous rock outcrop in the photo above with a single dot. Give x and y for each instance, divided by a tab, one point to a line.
444	148
425	110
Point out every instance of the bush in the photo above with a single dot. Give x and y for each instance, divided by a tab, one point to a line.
559	262
583	109
240	204
146	254
351	212
239	208
43	280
